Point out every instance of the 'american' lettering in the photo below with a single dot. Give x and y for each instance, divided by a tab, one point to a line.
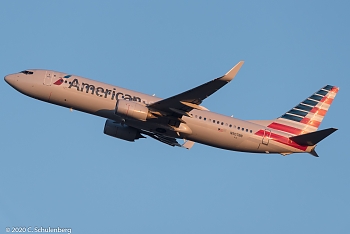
102	92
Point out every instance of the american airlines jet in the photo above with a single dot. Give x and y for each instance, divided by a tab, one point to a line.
132	115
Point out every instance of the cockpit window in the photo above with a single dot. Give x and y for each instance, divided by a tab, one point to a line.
27	72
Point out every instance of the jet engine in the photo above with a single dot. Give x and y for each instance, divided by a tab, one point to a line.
120	131
131	109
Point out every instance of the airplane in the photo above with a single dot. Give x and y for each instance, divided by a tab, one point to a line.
132	115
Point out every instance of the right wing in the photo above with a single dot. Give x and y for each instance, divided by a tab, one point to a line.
182	103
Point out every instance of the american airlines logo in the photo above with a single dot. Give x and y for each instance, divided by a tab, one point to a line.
61	80
100	91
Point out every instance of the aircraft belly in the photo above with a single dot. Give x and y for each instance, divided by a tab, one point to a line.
216	137
270	148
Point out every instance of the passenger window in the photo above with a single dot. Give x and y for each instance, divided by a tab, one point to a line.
213	120
246	130
230	125
242	129
205	118
239	128
218	122
200	117
251	131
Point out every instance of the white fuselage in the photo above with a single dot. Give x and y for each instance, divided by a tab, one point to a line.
99	99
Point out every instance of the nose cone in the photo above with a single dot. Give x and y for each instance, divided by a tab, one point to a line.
9	79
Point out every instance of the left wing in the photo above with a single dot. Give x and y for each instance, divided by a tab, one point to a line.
168	140
165	139
182	103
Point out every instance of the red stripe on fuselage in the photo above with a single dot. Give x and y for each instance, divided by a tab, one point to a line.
281	139
285	128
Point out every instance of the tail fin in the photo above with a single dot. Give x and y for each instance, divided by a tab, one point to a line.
307	116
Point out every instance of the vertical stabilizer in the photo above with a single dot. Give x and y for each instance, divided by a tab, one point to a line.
307	116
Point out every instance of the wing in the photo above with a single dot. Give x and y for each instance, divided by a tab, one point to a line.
168	140
182	103
165	139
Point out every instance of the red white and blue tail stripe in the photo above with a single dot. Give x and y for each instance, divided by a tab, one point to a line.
297	128
307	116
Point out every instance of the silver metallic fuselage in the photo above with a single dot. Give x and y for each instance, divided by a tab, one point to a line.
99	99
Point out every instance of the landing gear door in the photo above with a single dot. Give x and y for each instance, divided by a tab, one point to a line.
48	78
266	137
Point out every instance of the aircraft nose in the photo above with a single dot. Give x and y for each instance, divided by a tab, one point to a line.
9	79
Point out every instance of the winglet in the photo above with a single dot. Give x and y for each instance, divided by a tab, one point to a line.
232	73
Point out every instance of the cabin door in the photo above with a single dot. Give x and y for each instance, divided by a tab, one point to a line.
48	78
266	137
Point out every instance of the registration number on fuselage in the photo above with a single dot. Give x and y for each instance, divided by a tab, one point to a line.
236	135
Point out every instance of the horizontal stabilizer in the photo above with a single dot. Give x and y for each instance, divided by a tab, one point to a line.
312	138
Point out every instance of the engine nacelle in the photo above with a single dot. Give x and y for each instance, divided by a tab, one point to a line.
131	109
120	131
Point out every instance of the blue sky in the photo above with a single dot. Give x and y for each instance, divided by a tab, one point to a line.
59	169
